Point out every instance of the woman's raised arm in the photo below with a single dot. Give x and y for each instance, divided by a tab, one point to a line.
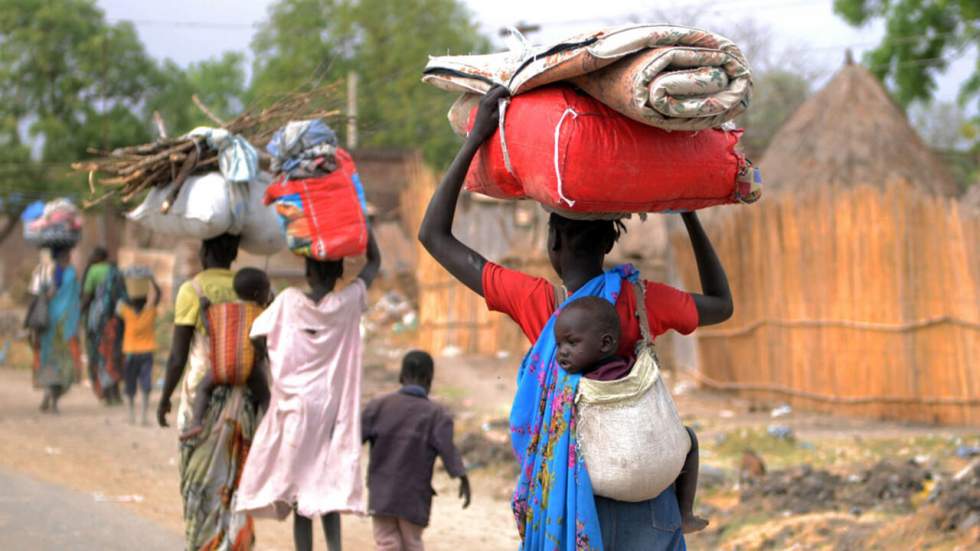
436	231
715	303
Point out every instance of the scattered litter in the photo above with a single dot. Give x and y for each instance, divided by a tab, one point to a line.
971	521
958	503
710	476
800	490
965	472
451	351
966	452
52	451
781	432
891	482
502	354
922	459
726	414
392	312
480	452
498	424
99	497
807	445
752	466
683	388
781	411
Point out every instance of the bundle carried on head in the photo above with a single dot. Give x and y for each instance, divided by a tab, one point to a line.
170	161
137	281
630	119
57	223
317	194
207	182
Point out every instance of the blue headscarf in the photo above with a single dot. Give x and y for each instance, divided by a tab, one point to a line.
553	502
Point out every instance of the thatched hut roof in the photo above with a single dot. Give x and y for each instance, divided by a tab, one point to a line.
851	133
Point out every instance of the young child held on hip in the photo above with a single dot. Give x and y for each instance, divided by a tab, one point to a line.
235	359
587	331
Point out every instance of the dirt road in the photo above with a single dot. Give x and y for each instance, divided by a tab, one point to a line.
90	449
45	517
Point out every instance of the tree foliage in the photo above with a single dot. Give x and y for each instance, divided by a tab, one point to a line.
776	95
387	44
220	84
69	81
921	38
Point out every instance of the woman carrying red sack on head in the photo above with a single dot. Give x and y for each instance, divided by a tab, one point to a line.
553	503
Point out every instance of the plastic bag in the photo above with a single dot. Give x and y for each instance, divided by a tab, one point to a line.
260	232
206	206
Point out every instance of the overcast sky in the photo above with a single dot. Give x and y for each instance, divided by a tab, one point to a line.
193	30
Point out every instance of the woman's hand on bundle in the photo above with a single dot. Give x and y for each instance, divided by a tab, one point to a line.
488	115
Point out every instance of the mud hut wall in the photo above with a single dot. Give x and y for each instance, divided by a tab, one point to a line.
855	300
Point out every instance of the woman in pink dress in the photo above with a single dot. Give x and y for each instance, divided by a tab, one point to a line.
305	456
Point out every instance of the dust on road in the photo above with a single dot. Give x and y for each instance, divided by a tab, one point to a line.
90	449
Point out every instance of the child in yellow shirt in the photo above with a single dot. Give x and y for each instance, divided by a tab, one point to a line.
139	341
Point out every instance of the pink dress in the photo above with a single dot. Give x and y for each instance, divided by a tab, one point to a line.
306	452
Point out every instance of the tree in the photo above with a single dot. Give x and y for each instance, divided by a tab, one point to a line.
952	135
220	84
387	44
943	125
921	38
69	81
776	95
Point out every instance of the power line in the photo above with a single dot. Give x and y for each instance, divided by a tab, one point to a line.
185	23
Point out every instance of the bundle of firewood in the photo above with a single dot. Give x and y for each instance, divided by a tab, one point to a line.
128	171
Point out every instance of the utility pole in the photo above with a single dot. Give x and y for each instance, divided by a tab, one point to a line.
352	79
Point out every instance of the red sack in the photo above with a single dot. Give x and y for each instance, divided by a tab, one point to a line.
322	218
571	153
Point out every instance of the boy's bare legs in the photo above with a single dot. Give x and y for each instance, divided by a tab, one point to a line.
145	413
129	364
199	408
132	409
686	486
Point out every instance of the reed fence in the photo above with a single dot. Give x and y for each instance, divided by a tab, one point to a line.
857	300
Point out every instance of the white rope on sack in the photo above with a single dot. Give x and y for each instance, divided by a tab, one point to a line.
561	194
504	102
520	48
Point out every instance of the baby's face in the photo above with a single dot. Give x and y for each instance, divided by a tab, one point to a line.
580	344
